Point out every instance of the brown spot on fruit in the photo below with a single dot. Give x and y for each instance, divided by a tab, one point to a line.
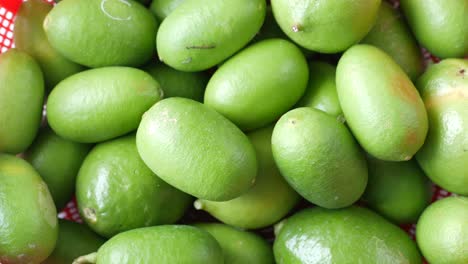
411	138
405	89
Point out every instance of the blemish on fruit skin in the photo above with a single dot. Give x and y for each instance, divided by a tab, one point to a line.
405	89
201	47
103	9
462	72
297	27
187	60
46	205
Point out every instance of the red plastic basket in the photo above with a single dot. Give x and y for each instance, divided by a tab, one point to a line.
8	9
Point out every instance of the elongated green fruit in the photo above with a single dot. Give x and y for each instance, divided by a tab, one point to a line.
199	34
21	99
444	155
349	235
319	158
380	103
272	70
195	149
167	244
28	215
326	26
99	33
439	25
101	104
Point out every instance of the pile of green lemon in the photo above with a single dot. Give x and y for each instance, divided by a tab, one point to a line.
240	108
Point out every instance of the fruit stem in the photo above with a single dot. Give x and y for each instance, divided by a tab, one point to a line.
90	258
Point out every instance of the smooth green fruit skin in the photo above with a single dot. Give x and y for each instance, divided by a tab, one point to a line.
57	160
21	98
319	158
162	8
101	104
398	191
273	71
440	26
98	33
30	37
350	235
380	103
321	89
239	247
74	240
197	150
391	34
326	26
267	202
117	192
176	83
28	216
444	155
442	231
199	34
167	244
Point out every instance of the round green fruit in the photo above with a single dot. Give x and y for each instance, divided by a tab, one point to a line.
442	231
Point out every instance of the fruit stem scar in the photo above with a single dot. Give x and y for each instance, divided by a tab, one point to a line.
103	2
198	204
90	214
201	47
